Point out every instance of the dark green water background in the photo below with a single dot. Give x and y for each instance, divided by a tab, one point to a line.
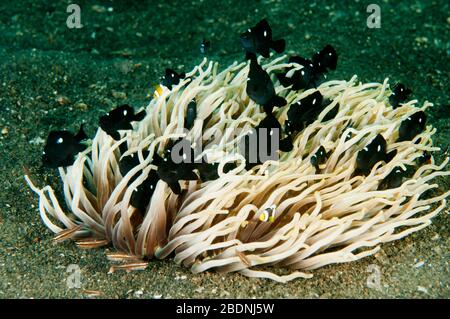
116	58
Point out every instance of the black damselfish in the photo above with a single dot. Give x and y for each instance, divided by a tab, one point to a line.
303	113
142	194
171	172
413	125
325	59
61	148
140	198
425	158
374	152
393	180
119	119
312	72
399	95
319	158
191	114
258	40
260	88
204	46
264	132
171	78
127	163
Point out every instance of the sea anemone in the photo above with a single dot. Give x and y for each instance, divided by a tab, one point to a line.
325	201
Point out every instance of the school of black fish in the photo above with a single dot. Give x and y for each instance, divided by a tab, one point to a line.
62	147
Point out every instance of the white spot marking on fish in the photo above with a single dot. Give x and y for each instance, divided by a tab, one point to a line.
125	112
265	33
59	140
366	149
379	148
314	101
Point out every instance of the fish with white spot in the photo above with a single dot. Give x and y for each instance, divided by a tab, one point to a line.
119	119
62	147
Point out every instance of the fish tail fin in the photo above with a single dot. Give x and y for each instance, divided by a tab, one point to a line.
175	187
123	147
279	45
81	135
140	116
389	156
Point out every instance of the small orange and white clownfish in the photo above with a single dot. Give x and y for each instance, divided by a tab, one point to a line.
268	215
159	89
